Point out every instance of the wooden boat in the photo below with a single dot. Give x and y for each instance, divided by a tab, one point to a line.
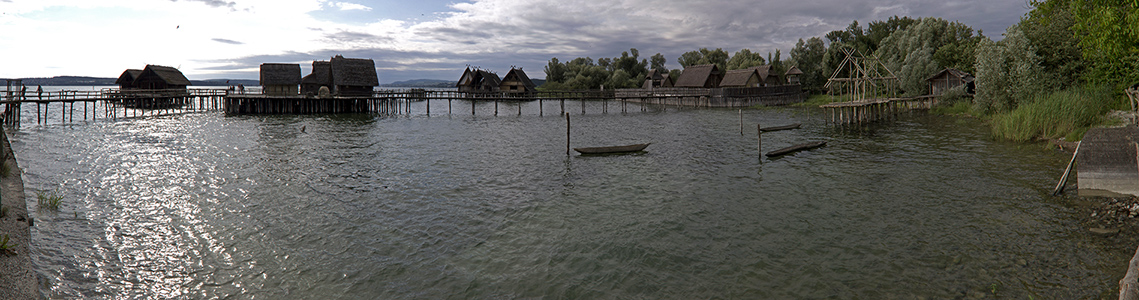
778	128
796	148
612	149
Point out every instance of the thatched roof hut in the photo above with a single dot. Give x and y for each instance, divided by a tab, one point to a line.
700	76
741	78
353	76
478	80
949	79
157	77
793	74
657	78
767	75
516	81
321	76
280	79
126	80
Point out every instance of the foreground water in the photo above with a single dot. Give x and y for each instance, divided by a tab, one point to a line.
458	206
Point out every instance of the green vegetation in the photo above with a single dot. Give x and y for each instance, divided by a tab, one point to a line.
5	170
4	245
1066	114
49	200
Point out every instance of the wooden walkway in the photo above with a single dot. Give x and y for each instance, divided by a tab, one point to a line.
871	110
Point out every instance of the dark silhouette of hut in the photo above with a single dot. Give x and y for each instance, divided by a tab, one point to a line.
354	77
280	79
321	76
793	75
741	78
516	81
657	78
478	81
155	77
949	79
767	76
700	76
126	80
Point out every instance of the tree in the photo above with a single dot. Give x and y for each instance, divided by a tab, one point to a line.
719	57
657	62
744	59
926	36
1108	32
1048	28
808	57
1009	73
555	71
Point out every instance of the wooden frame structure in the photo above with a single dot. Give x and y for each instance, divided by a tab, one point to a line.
866	78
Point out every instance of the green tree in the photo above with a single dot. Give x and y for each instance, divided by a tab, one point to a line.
657	62
1009	73
744	59
1049	29
926	36
555	71
808	57
719	57
1108	31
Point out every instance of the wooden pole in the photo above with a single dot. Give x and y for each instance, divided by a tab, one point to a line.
1129	285
759	137
567	134
741	122
1064	178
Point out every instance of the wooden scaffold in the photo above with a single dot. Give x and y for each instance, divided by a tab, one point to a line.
867	85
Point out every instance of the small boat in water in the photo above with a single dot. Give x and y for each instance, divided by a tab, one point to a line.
612	149
796	148
784	127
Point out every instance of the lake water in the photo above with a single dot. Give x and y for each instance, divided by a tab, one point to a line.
204	205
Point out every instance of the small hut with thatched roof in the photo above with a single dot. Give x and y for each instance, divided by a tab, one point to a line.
280	79
321	76
657	78
949	79
126	80
767	76
155	77
478	80
741	78
700	76
516	81
353	76
793	75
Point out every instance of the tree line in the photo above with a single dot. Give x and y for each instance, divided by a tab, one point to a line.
629	70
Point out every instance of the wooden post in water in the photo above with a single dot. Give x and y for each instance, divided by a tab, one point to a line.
741	122
567	134
759	137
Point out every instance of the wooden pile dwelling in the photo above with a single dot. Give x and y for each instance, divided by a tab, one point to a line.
280	79
700	76
658	79
516	82
152	87
478	81
767	75
869	88
741	78
950	79
347	77
793	74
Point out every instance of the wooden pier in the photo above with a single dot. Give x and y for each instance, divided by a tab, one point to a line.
109	103
872	110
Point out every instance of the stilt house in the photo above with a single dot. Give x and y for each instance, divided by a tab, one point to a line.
767	76
351	77
516	81
280	79
657	78
741	78
949	79
155	77
700	76
793	75
126	80
479	81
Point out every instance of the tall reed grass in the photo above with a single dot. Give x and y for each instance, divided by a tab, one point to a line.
1066	114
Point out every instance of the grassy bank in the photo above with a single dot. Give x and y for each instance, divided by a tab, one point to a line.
1063	114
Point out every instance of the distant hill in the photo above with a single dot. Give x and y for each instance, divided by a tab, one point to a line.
439	83
421	83
91	81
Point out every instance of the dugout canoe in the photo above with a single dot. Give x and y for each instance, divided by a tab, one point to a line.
612	149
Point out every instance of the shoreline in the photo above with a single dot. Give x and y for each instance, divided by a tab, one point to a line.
19	276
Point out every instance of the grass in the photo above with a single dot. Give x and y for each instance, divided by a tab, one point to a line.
4	246
49	200
5	170
1063	114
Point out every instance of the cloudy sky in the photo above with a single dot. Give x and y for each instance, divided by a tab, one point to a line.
435	39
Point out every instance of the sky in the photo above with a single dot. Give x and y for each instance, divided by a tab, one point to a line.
424	39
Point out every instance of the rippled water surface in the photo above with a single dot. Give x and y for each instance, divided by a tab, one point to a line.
204	205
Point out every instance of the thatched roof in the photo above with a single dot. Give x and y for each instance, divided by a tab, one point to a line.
697	76
738	78
764	71
128	77
793	71
487	78
354	71
519	75
170	75
321	73
965	77
280	74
